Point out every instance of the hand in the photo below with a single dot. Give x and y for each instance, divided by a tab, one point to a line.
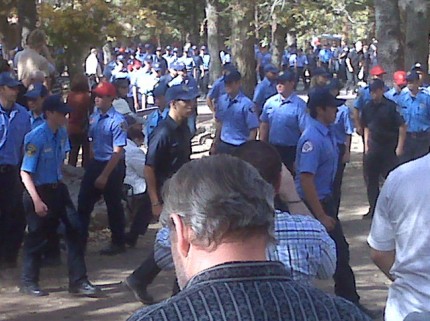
328	222
346	157
40	208
101	182
157	208
399	151
136	105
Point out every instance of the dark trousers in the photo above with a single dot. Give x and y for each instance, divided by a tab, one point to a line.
300	74
60	208
352	80
77	141
344	279
225	148
204	84
12	217
89	195
147	271
141	211
288	156
416	146
379	162
337	184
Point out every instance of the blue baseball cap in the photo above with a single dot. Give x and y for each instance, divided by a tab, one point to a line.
181	92
286	76
159	91
321	97
412	76
271	68
56	103
179	66
232	76
36	91
7	79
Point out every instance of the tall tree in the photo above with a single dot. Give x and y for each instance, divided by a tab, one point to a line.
212	18
388	33
242	42
279	32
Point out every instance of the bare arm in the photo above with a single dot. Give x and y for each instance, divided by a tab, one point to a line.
401	140
384	260
347	156
210	104
39	206
151	183
253	134
357	121
366	139
264	131
101	181
288	194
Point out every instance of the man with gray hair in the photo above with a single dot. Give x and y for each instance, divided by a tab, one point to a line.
221	224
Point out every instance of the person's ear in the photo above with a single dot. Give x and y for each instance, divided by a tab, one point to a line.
182	235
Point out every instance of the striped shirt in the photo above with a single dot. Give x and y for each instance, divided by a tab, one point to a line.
303	246
249	291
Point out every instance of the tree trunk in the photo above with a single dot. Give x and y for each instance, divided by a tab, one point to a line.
417	33
388	33
278	41
27	14
213	38
242	42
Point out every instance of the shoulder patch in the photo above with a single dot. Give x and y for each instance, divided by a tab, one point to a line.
307	147
30	150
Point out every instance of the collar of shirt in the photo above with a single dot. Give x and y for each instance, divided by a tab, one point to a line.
110	112
323	129
287	100
172	123
11	113
236	270
234	100
41	116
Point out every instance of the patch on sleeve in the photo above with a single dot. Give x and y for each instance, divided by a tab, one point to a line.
307	147
124	126
30	150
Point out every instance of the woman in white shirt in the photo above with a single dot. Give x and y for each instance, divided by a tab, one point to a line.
135	163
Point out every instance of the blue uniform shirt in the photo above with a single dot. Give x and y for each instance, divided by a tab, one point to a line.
392	94
45	153
317	154
13	128
217	90
342	125
106	132
264	90
206	61
264	59
36	121
325	55
415	110
301	61
153	120
237	117
286	117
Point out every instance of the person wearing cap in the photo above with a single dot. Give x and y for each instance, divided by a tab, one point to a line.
320	78
188	61
198	65
263	58
354	63
414	104
169	148
168	54
36	95
399	83
48	202
158	115
300	64
167	78
158	58
266	88
316	165
284	119
92	68
204	79
218	88
14	125
183	77
120	102
325	57
236	119
343	128
143	82
384	139
105	173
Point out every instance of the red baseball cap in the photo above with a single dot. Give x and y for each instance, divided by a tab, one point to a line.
377	71
105	89
399	78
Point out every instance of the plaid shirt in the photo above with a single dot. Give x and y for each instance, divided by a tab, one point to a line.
303	246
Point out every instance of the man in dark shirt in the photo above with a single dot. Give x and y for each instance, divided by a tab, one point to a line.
384	137
221	223
354	63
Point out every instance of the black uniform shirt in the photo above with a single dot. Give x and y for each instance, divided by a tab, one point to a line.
169	148
383	121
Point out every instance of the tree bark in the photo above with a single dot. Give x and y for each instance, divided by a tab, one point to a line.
388	33
242	42
278	41
27	14
417	33
214	40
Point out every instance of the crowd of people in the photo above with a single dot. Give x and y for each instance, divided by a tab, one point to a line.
246	229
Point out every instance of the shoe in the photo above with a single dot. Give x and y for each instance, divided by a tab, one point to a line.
374	314
130	240
139	292
85	288
113	249
33	290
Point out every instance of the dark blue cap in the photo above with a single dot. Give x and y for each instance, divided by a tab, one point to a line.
56	103
321	97
179	66
160	90
376	84
181	92
156	66
168	48
271	68
36	91
320	72
412	76
7	79
232	76
286	76
175	49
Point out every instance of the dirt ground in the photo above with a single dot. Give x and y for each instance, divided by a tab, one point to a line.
109	272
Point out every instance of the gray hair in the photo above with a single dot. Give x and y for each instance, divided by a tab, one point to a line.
220	197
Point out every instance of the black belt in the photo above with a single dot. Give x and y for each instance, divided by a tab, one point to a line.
418	134
51	186
7	168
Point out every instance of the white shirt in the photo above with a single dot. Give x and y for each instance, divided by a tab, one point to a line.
92	65
402	223
135	163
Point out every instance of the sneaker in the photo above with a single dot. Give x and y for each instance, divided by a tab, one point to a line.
85	288
139	292
33	290
113	249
